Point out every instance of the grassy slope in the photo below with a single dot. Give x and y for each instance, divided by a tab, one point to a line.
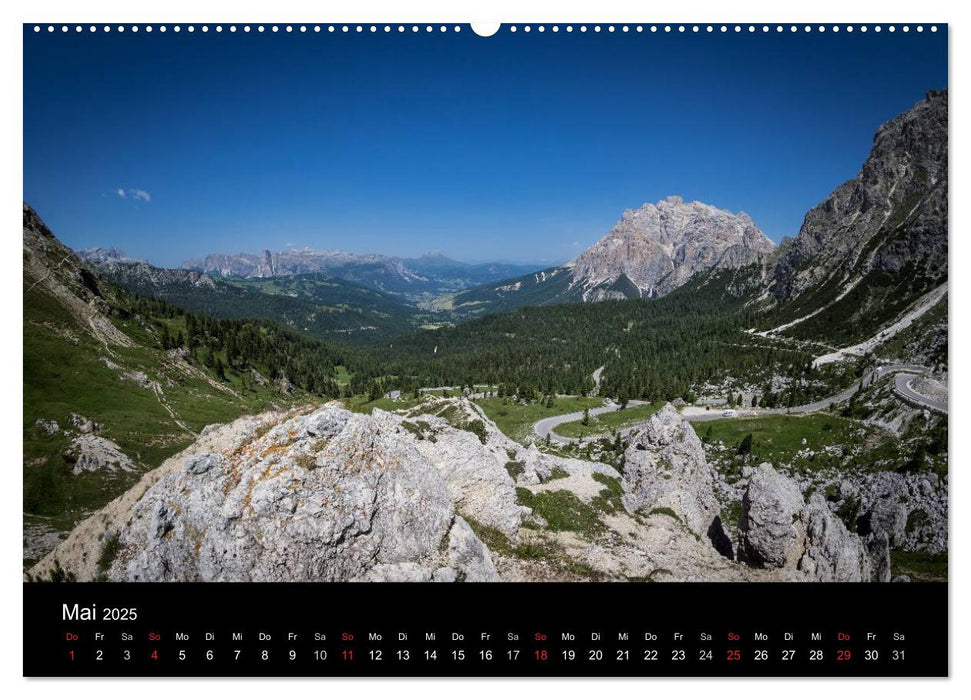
607	422
516	419
150	403
61	377
779	439
919	566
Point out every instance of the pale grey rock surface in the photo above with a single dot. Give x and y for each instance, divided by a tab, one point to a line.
910	509
858	227
665	467
659	247
474	473
467	556
328	495
92	453
480	475
770	508
778	529
49	427
83	425
832	553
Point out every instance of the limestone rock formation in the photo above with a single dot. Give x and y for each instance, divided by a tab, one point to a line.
473	471
49	427
665	467
148	279
770	508
91	453
778	529
102	256
82	424
832	553
325	496
891	220
660	246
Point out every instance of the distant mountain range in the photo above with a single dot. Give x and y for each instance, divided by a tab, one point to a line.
416	279
102	256
323	306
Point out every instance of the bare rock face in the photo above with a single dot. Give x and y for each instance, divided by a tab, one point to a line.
892	216
468	556
83	425
536	468
325	496
886	516
467	559
832	553
779	530
665	468
49	427
770	510
91	453
473	472
660	246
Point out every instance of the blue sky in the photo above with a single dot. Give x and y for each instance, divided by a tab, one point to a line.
515	147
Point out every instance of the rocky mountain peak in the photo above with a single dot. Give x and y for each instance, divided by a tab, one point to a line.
265	268
659	247
891	215
435	256
102	256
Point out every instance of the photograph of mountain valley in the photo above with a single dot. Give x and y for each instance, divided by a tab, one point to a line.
428	306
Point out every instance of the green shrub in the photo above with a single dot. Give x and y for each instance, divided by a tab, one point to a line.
609	499
476	426
664	510
563	511
110	548
917	519
515	468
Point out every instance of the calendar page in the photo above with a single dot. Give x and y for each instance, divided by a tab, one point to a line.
539	349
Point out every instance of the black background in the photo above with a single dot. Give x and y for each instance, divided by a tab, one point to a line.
919	611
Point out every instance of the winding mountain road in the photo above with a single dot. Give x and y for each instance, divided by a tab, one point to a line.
545	426
905	375
902	388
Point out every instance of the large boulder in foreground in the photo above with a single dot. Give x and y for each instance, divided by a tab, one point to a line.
323	496
833	553
771	507
778	529
665	468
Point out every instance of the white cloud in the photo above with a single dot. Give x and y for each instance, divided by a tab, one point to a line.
135	194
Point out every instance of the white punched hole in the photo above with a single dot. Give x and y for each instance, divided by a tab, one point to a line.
485	29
